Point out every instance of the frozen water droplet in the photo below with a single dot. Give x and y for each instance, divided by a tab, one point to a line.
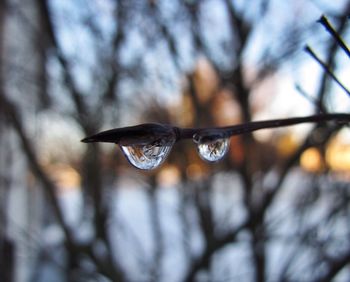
214	150
148	156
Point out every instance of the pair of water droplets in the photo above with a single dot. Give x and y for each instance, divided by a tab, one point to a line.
150	156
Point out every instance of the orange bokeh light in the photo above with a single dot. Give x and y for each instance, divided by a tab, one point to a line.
338	156
311	160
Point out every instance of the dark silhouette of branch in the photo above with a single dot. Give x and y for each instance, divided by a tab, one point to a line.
151	132
327	25
330	62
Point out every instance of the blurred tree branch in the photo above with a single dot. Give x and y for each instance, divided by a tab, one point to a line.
309	139
13	114
92	107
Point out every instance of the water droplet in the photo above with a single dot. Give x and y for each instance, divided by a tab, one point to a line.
214	150
148	156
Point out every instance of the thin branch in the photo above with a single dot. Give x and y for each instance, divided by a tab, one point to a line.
326	68
327	25
151	132
330	62
307	96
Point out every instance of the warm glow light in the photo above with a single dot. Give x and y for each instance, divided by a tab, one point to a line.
206	81
195	171
311	160
183	112
236	152
169	176
338	156
286	144
65	177
225	109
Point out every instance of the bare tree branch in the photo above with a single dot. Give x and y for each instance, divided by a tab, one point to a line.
217	244
326	68
50	187
335	34
335	265
81	107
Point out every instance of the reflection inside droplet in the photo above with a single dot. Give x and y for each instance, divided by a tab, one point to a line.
148	156
214	150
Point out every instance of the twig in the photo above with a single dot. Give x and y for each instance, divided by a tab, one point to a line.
324	21
308	97
150	132
326	68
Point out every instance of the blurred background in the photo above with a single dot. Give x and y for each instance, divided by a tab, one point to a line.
276	208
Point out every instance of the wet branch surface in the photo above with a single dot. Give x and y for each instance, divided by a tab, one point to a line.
150	132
